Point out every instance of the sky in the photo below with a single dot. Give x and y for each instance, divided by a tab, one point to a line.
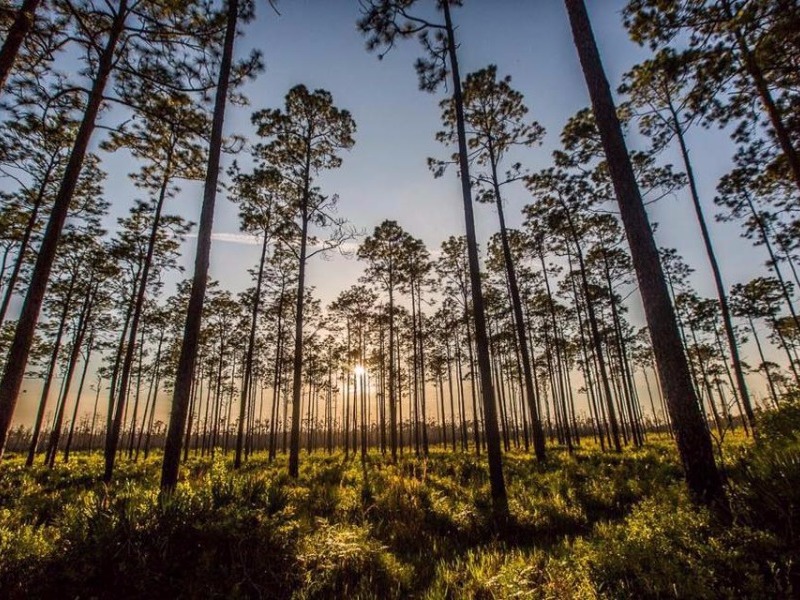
385	175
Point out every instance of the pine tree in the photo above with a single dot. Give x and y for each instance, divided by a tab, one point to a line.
694	443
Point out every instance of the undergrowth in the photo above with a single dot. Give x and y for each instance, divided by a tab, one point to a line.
585	525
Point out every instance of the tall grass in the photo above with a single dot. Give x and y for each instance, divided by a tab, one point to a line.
586	525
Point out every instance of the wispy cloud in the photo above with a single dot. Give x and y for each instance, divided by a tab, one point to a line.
247	239
233	238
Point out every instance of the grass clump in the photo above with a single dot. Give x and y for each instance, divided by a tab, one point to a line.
341	561
581	525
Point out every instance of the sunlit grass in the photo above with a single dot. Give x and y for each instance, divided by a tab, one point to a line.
583	525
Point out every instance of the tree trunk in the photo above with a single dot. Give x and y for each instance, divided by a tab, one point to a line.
23	244
152	397
294	442
733	346
781	131
26	325
519	322
596	339
83	320
497	482
693	440
37	426
71	434
15	36
772	391
392	381
191	335
112	441
423	396
248	361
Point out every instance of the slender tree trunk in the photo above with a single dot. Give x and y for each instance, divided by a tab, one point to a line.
626	380
137	396
382	405
363	416
423	397
15	36
473	387
29	315
276	385
780	129
772	391
94	413
24	242
519	322
294	442
462	410
71	434
191	335
733	346
595	331
602	429
400	394
773	259
196	399
152	397
37	426
450	390
693	440
346	413
392	380
83	320
784	343
415	369
248	361
112	441
497	482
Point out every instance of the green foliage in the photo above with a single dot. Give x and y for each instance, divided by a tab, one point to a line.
666	547
341	561
782	425
497	571
585	525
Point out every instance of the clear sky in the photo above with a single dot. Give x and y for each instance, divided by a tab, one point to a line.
315	42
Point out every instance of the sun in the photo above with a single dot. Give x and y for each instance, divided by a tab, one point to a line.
360	370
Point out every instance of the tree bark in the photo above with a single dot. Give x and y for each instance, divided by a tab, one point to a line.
23	244
191	335
751	66
83	320
519	322
112	441
733	346
693	440
248	361
21	26
497	482
37	426
71	434
26	325
294	441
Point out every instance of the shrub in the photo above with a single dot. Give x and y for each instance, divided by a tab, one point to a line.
340	561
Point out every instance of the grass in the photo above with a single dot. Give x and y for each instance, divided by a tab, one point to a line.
586	525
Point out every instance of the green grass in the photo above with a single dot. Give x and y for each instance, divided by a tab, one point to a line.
587	525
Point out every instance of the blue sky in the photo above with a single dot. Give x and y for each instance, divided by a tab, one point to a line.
385	175
315	42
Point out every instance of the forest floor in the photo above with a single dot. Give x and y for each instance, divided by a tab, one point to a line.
586	525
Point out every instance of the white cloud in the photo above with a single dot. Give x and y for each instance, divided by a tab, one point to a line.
254	240
233	238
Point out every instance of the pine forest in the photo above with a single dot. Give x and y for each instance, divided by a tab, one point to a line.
437	299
